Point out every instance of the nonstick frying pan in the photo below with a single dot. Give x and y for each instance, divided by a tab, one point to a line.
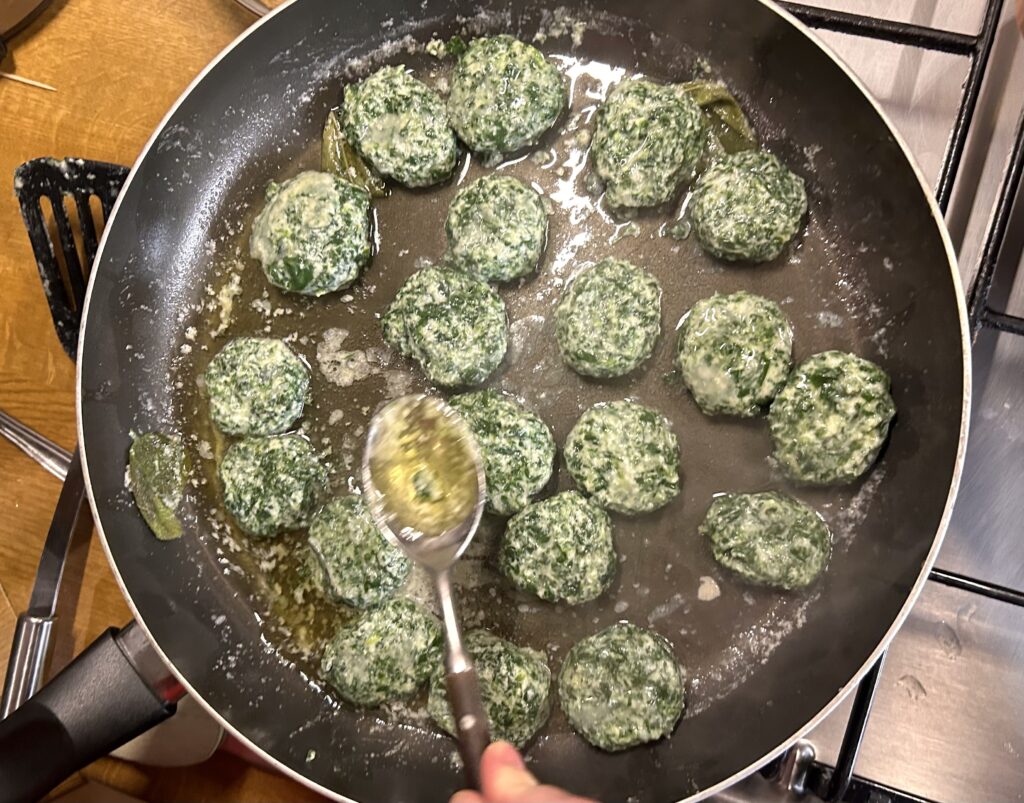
873	273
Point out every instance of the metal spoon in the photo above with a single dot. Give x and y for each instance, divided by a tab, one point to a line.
424	482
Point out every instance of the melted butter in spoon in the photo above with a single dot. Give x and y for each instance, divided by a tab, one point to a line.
424	467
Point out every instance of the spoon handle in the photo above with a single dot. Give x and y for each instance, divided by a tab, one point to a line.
471	725
470	720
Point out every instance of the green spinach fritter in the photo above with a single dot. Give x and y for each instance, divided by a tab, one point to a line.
624	456
515	684
560	549
647	143
768	538
271	484
517	448
734	353
504	95
385	655
256	386
829	421
609	319
400	126
747	206
452	324
358	565
496	229
313	235
621	687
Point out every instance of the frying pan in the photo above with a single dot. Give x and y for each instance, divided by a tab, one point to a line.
873	273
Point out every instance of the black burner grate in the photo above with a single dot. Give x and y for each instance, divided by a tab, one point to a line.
981	313
77	180
839	783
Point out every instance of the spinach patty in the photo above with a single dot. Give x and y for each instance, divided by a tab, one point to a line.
256	386
831	418
504	95
313	235
625	456
385	655
621	687
271	484
747	206
358	565
517	447
560	549
647	142
515	684
734	353
453	325
608	319
768	538
400	126
497	228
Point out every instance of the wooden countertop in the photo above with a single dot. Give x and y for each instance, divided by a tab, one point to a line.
117	68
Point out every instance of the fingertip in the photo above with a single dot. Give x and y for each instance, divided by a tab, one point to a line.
504	776
466	796
505	753
502	754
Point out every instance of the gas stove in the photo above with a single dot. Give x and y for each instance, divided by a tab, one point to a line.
941	718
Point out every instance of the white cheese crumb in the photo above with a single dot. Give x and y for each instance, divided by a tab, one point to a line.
226	301
708	590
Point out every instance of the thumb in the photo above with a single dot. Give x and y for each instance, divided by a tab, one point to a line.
505	778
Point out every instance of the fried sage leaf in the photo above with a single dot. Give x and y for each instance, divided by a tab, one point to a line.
156	470
337	156
725	119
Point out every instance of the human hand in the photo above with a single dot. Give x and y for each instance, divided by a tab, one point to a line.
505	779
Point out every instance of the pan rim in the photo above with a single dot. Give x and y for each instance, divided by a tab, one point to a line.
898	621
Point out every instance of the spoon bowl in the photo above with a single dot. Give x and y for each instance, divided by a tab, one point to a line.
424	480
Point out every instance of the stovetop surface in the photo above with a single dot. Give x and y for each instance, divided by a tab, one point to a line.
948	720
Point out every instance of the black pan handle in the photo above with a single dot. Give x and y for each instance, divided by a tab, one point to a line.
106	696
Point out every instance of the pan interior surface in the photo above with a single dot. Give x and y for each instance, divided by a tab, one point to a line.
869	274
